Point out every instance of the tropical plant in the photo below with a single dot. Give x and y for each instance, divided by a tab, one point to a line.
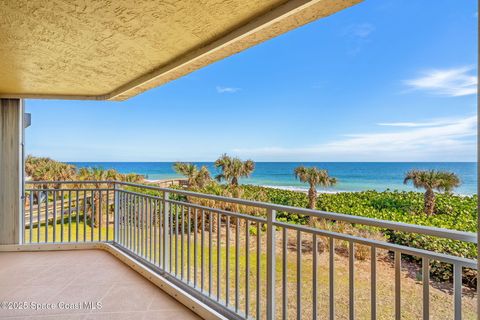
132	177
189	170
195	178
430	180
46	169
64	172
98	176
232	169
203	177
33	163
314	177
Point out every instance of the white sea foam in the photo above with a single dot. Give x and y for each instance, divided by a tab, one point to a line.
300	189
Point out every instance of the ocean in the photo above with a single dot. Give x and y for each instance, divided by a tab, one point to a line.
351	176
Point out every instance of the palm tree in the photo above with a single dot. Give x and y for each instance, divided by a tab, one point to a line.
33	163
63	172
98	175
195	177
188	170
203	177
108	177
42	171
430	180
233	169
46	169
132	177
314	177
49	170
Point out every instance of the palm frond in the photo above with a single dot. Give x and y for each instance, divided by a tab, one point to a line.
432	180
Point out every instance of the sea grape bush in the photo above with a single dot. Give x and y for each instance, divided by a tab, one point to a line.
452	212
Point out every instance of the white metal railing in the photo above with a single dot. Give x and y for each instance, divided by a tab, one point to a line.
239	264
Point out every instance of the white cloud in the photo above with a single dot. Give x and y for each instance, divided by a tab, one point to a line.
362	30
358	35
430	123
404	124
449	141
227	89
446	82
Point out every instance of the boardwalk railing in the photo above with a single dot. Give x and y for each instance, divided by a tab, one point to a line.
236	255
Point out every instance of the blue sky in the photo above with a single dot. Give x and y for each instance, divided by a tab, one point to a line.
381	81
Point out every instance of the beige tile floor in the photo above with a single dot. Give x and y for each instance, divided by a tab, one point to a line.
64	278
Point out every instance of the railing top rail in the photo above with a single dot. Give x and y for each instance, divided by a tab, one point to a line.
72	182
397	226
70	189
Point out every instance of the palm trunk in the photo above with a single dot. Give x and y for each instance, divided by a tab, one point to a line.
234	181
429	205
35	197
312	198
312	202
212	220
97	210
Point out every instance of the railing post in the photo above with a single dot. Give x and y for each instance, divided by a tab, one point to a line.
271	261
166	231
116	217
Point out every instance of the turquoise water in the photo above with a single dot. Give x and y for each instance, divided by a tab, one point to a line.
351	176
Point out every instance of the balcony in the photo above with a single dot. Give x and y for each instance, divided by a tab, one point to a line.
86	284
227	257
149	252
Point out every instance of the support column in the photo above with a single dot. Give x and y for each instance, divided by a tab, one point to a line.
11	170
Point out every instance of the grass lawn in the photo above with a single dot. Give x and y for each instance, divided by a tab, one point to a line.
83	229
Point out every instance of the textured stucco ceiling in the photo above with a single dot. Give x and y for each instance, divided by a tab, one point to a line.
116	49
